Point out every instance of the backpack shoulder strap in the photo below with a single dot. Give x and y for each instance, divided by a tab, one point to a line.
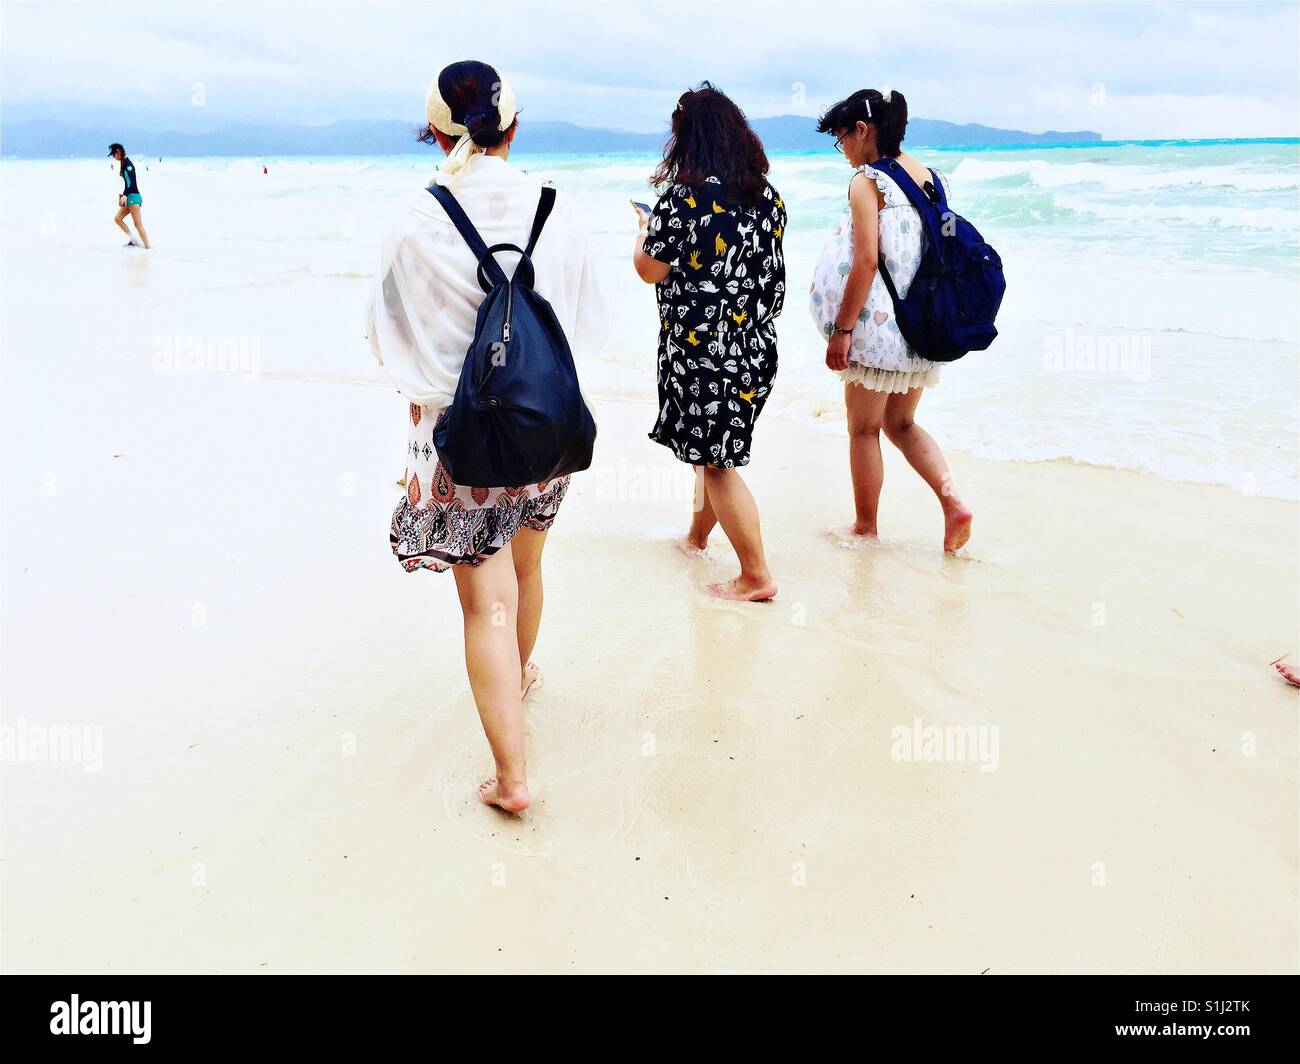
468	233
939	190
931	213
904	181
544	207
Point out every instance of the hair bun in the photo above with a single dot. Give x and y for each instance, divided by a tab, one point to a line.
482	123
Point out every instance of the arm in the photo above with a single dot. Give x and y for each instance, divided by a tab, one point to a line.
865	212
650	270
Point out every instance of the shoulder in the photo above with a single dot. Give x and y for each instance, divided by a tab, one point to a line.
416	212
566	214
418	203
867	179
678	194
868	174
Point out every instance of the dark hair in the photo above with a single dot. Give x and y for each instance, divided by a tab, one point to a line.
470	89
115	146
868	105
712	138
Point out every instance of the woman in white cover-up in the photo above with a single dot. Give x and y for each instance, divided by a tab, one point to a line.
883	376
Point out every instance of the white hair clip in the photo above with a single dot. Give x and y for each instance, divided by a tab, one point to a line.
887	94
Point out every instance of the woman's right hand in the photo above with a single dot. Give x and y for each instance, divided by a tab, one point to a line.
121	201
837	351
642	219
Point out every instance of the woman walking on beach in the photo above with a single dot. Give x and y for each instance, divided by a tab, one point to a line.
422	321
883	377
130	201
712	248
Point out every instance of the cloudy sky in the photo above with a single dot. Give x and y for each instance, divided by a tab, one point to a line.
1140	69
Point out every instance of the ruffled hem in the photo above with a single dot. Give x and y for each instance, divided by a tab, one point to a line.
890	381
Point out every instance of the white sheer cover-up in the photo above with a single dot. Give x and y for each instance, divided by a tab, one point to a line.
420	319
879	358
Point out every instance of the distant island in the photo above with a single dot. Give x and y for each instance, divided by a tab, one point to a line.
38	139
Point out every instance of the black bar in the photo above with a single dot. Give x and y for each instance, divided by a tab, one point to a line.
921	1013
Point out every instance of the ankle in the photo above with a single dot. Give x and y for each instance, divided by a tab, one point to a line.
508	780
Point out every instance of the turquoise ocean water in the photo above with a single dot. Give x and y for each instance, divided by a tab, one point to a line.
1151	320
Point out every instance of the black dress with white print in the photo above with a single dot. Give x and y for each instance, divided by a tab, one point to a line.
717	310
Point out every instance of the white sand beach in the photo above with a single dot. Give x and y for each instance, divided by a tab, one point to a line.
290	749
196	565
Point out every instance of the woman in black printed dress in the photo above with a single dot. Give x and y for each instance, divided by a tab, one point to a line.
712	248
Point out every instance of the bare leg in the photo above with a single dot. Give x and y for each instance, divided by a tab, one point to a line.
527	547
866	412
122	213
738	514
489	599
703	521
139	225
924	456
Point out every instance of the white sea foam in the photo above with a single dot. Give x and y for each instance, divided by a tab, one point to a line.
1044	174
1223	215
1190	262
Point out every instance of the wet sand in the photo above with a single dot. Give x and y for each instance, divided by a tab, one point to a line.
198	565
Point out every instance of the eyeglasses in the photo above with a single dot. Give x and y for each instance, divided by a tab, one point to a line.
839	141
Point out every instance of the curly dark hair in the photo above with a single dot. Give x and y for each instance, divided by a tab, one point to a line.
712	138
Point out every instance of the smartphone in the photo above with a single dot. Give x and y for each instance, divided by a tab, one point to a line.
640	206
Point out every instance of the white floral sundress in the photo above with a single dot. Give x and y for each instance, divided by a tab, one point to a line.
879	358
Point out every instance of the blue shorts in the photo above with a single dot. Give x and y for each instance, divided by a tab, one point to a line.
133	199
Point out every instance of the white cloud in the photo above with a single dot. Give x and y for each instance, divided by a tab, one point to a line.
1168	69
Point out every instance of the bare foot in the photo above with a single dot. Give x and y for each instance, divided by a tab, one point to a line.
532	677
511	799
742	590
956	529
1288	673
690	548
852	536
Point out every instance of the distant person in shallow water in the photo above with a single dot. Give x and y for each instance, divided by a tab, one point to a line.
130	201
712	248
883	377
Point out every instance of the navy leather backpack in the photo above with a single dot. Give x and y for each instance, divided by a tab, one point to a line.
517	417
958	287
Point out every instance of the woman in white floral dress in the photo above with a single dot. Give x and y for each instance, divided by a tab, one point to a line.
883	376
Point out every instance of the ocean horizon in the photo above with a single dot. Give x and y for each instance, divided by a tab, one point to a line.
522	148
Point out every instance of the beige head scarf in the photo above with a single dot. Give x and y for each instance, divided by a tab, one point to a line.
440	118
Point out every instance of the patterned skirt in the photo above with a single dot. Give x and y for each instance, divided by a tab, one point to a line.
709	403
439	524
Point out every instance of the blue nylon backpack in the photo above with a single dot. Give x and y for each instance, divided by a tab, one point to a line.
958	287
518	416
